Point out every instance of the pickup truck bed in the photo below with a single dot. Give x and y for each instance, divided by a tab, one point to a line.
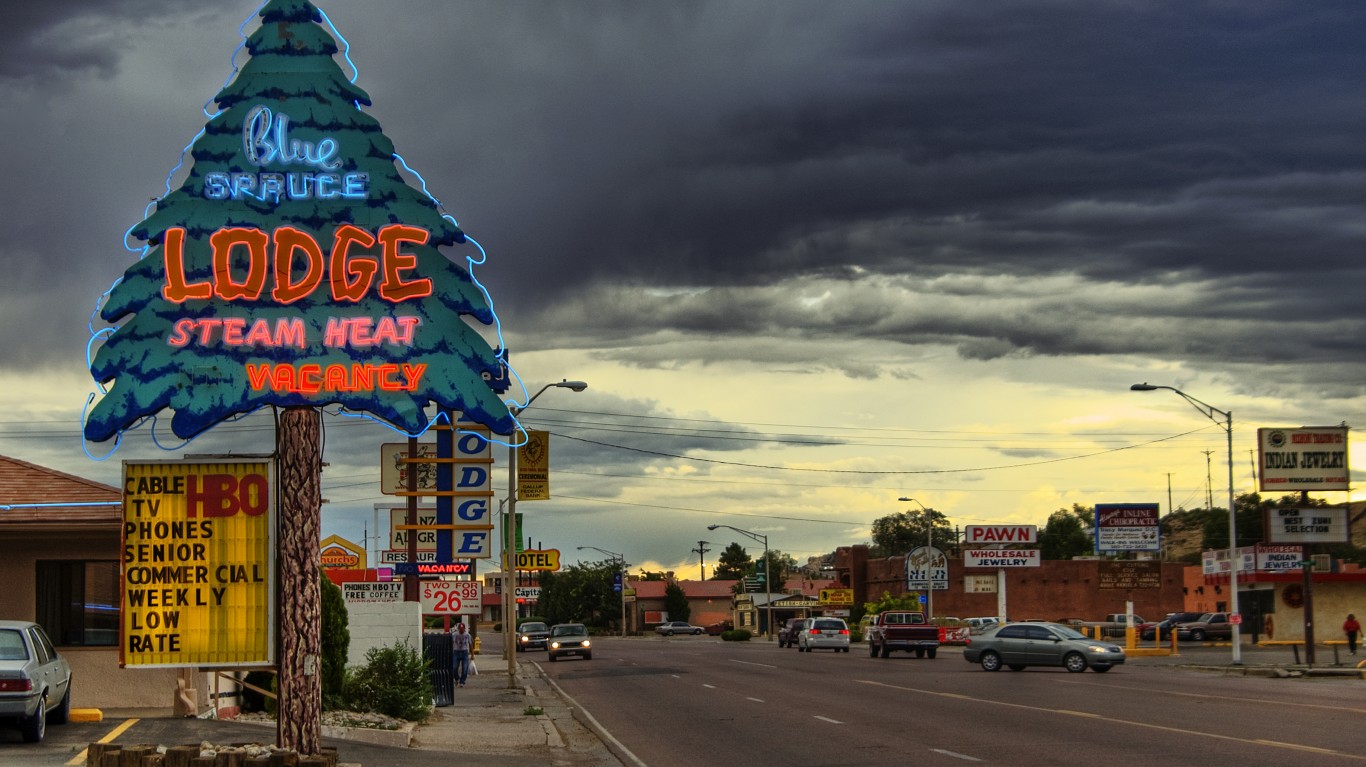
904	631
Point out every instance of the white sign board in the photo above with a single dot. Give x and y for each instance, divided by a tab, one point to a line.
371	591
1216	562
451	597
1310	458
1279	559
1312	525
529	593
985	535
1001	558
1127	527
979	584
398	539
927	564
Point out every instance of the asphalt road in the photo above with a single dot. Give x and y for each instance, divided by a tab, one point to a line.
694	700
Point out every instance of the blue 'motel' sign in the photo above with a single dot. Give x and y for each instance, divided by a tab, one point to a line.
294	266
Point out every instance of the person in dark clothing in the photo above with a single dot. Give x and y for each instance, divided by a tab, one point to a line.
1352	629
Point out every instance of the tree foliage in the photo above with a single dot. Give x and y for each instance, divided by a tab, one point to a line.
732	564
1067	533
676	602
581	593
888	601
898	533
336	643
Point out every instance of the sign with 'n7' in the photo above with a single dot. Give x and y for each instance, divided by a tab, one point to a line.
451	597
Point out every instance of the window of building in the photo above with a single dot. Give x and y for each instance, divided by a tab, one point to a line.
78	602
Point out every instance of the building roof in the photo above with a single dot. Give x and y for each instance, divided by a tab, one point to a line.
691	589
36	496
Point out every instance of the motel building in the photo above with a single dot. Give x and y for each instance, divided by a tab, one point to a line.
59	558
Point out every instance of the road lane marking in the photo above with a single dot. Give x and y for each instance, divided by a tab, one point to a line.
752	663
114	733
756	700
955	755
1159	691
828	719
709	686
1130	722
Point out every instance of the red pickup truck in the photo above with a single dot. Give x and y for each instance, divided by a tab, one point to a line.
901	630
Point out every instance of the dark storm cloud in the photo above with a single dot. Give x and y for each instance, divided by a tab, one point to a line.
41	43
1005	178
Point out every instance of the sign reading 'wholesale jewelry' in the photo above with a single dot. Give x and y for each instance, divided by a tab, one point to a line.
198	564
295	265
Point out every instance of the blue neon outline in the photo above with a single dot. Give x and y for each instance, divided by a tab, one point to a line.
72	505
142	250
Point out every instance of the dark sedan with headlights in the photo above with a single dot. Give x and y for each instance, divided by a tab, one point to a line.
1018	645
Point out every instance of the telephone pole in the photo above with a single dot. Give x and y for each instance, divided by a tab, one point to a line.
701	552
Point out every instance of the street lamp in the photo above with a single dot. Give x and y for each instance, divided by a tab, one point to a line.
768	584
1209	412
622	560
929	545
510	532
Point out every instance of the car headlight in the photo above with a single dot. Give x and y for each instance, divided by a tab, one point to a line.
587	643
526	638
1098	648
554	645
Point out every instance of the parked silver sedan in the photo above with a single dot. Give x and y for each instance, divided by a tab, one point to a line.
35	681
1018	645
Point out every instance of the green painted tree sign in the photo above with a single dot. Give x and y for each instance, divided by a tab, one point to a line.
294	266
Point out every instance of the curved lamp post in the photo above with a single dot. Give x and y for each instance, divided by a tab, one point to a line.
510	534
1209	411
621	565
929	544
768	584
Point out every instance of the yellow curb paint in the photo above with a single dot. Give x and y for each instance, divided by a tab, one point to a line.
114	733
86	715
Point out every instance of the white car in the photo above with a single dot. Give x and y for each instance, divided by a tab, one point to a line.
978	625
824	634
35	681
677	627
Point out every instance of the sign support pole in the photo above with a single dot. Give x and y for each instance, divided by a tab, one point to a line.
299	447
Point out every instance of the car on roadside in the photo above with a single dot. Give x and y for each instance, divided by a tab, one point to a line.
1208	626
787	635
719	627
533	635
982	623
35	680
824	634
1163	628
569	639
1020	645
677	627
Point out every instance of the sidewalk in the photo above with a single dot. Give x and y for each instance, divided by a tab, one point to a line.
490	718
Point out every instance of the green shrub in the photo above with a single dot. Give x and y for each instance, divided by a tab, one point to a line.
336	644
736	635
855	635
392	682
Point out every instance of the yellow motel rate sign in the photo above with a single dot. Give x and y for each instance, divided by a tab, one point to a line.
198	563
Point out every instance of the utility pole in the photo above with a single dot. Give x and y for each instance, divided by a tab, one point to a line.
1209	486
701	552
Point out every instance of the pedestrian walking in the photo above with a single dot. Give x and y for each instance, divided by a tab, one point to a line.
460	654
1352	629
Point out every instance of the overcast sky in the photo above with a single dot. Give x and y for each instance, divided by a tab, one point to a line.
810	256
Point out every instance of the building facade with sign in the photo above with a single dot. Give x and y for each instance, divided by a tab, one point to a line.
60	559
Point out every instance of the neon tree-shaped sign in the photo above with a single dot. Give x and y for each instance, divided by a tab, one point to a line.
295	266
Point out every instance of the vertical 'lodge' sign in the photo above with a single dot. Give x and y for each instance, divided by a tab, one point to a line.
294	266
